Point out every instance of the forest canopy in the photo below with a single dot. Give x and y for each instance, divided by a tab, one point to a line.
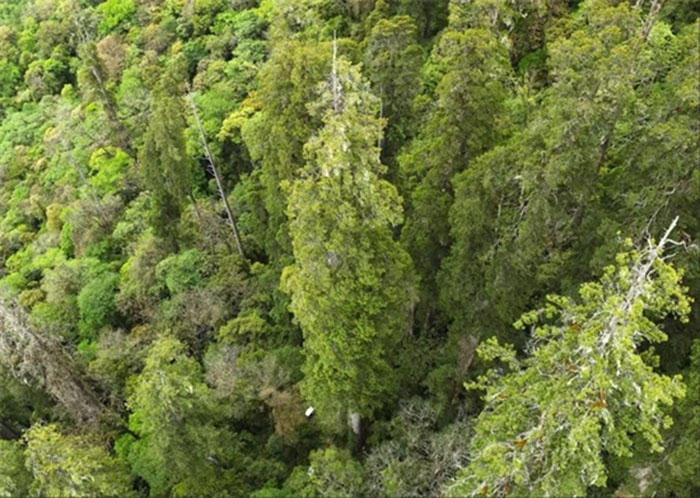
342	248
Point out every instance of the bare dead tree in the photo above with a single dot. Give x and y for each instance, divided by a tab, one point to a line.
651	16
216	173
96	75
336	87
62	145
640	273
31	355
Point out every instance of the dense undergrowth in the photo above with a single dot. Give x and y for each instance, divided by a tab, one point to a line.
215	214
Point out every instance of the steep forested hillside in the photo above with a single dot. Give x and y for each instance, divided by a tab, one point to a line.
300	248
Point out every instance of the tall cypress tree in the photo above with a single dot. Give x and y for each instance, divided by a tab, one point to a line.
164	166
394	59
467	117
275	136
351	283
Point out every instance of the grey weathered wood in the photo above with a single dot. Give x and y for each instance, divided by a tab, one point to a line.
31	355
217	175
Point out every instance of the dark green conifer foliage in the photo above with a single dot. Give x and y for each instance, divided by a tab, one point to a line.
163	160
180	450
351	284
276	135
393	63
545	128
432	14
467	118
584	390
535	214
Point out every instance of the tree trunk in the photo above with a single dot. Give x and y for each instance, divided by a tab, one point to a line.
354	422
217	176
28	353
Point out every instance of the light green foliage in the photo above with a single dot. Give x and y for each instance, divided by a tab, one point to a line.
79	294
9	76
180	448
108	167
14	477
331	472
245	327
115	13
495	13
181	272
46	77
298	19
72	465
96	304
212	107
132	97
351	283
26	264
132	226
202	14
584	389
